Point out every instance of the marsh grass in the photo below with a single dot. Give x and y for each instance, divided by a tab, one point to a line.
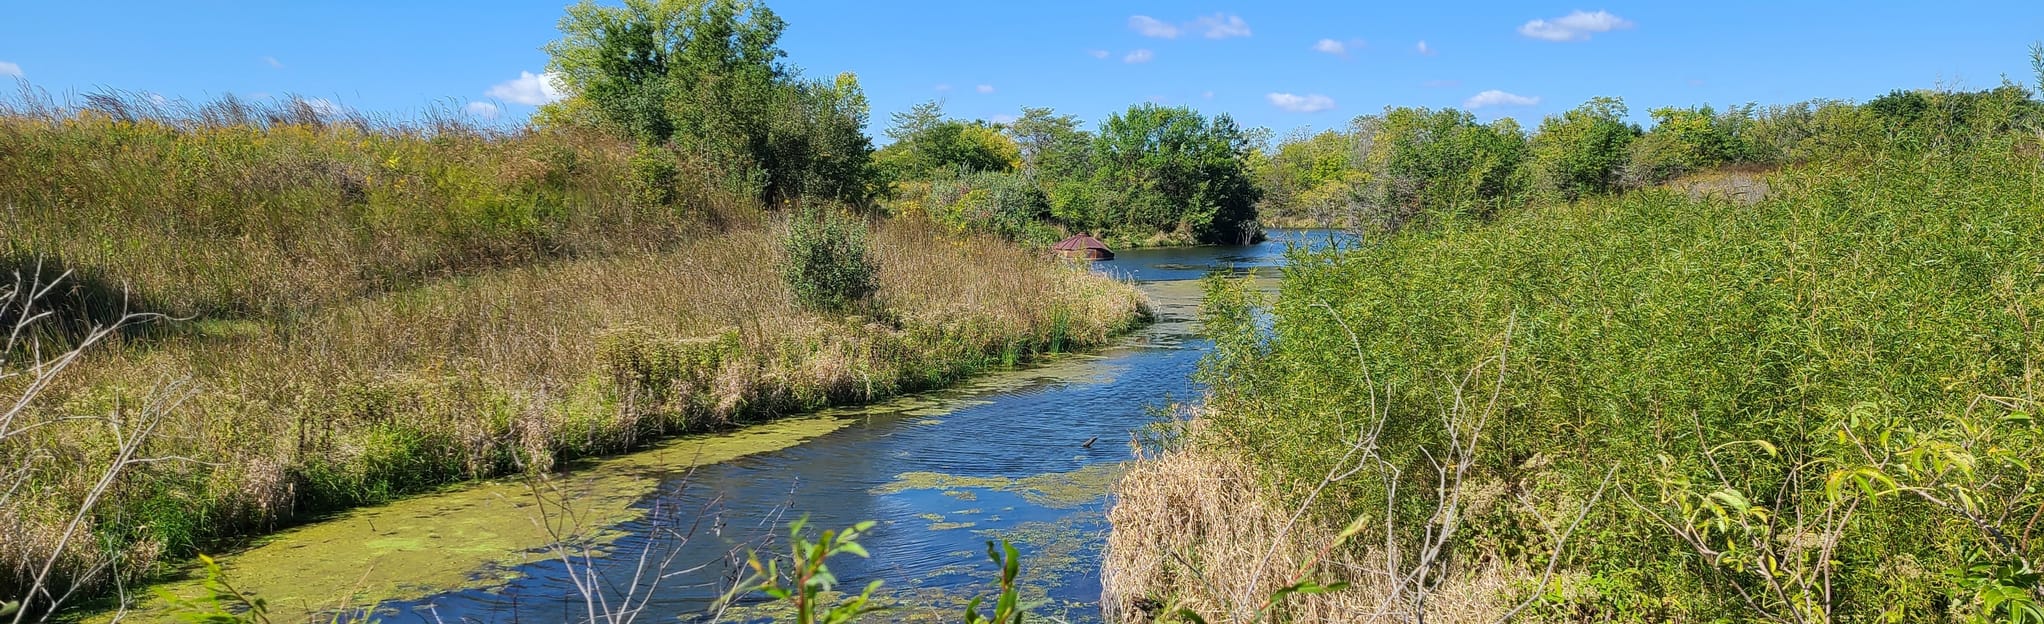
370	310
1718	352
239	208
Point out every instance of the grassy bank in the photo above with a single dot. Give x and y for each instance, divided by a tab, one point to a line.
240	209
1664	406
391	328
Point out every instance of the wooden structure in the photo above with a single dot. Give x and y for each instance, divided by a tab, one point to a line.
1083	246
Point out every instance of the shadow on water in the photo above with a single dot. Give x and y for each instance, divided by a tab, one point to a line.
1005	457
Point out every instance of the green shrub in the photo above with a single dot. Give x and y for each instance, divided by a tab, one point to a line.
654	172
1854	360
829	263
1580	152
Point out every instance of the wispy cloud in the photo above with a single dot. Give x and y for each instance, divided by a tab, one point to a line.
984	88
942	88
273	62
1139	56
1423	48
1440	84
1330	46
1577	26
1216	26
10	69
1152	27
1310	103
1004	118
1221	26
529	89
484	110
1099	54
1495	97
1208	95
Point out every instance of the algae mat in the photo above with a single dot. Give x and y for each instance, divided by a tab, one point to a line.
467	537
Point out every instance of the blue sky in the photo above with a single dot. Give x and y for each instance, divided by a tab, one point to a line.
1281	65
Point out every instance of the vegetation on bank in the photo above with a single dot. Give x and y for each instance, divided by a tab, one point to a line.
1152	175
509	369
1648	406
358	309
1387	170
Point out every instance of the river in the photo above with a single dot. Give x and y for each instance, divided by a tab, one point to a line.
1004	457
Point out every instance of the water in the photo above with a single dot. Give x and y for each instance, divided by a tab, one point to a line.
941	474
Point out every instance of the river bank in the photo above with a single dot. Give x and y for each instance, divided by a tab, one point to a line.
1000	457
517	370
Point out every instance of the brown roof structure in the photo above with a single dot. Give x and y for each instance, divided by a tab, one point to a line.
1083	246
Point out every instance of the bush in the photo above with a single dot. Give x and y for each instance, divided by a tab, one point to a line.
1581	151
1725	359
829	264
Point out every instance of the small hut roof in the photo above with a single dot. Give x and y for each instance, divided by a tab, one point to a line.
1079	242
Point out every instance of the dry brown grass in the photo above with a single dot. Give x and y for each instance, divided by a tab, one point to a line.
1194	529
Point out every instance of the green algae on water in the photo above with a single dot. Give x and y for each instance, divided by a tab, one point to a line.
467	537
1056	490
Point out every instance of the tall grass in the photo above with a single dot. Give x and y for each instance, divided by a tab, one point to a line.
375	310
1745	365
240	208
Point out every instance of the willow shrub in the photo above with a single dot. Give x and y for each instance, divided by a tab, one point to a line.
1880	315
828	263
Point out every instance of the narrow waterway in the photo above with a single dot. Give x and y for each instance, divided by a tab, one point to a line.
1006	457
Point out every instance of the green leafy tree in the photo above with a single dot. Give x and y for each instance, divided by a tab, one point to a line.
926	143
1580	152
1684	140
1052	146
706	75
1442	163
1169	169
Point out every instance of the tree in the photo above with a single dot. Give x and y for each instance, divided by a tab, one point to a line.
925	142
1052	146
1442	163
1683	140
1581	151
1170	169
706	76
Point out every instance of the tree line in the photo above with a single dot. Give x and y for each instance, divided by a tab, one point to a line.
703	88
1386	170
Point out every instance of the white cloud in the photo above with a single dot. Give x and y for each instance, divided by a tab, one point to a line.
1330	46
10	69
1139	56
1208	95
1575	26
529	89
1152	27
1099	54
273	62
984	88
942	88
1423	48
1004	118
1495	97
484	110
1311	103
1222	26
